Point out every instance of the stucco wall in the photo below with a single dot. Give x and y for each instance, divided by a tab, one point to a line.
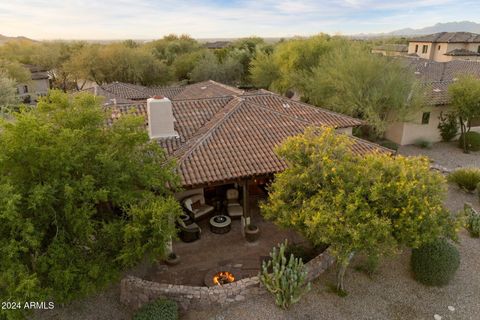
409	132
411	49
135	292
436	51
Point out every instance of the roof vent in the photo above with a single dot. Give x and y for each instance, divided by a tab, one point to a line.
203	88
437	90
286	105
160	118
417	72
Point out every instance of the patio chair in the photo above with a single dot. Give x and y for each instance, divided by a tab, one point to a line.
234	209
190	232
196	207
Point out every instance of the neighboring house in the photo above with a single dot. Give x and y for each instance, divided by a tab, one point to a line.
391	50
436	77
224	138
37	87
446	46
127	93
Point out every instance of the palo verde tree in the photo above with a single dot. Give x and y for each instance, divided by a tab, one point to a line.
369	204
353	81
465	100
79	200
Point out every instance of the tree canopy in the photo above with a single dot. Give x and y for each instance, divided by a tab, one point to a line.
353	81
372	204
465	100
79	200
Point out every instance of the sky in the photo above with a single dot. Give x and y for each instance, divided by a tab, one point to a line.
149	19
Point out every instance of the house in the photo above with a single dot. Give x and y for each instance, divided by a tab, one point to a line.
446	46
435	77
223	138
37	87
391	50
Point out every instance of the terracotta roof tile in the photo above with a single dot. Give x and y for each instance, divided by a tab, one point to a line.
233	135
207	89
450	37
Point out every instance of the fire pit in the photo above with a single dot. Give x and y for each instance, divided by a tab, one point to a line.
220	224
221	276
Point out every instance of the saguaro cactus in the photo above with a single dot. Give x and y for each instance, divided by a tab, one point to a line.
285	279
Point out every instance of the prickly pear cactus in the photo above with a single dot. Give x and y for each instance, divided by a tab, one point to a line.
284	278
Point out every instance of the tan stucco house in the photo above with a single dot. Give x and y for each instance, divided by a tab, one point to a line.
446	46
436	77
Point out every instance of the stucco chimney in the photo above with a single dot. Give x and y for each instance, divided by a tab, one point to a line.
160	118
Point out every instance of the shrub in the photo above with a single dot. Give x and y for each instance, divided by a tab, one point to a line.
284	278
424	144
389	144
478	191
159	309
448	126
473	221
435	264
472	141
465	178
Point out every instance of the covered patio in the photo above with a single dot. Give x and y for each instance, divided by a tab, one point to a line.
228	251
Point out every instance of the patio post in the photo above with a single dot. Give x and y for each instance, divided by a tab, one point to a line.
246	211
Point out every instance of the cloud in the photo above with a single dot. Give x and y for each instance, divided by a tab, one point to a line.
120	19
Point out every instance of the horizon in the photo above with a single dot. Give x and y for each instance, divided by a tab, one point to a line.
149	19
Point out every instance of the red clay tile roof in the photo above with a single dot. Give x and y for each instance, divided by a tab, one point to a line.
207	89
450	37
231	137
240	143
436	77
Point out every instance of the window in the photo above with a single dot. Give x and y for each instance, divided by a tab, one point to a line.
25	89
439	47
416	48
425	117
478	49
425	48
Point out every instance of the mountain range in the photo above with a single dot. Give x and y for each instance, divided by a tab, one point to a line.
5	39
467	26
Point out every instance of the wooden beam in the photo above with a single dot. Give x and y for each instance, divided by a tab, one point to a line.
246	209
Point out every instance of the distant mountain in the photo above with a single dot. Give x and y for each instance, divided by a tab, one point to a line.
467	26
5	39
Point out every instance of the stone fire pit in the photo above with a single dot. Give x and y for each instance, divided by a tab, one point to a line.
222	275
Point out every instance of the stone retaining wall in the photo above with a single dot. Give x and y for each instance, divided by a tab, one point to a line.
135	292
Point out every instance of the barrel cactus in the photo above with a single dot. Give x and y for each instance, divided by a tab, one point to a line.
285	278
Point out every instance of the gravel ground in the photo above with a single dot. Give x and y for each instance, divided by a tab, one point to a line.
446	154
389	294
102	306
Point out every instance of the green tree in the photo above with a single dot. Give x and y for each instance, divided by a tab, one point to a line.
372	204
293	60
465	100
263	70
8	95
79	200
353	81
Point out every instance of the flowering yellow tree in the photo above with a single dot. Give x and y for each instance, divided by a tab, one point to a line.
372	203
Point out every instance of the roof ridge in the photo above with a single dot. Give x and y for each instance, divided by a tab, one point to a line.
239	91
313	108
208	127
206	98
